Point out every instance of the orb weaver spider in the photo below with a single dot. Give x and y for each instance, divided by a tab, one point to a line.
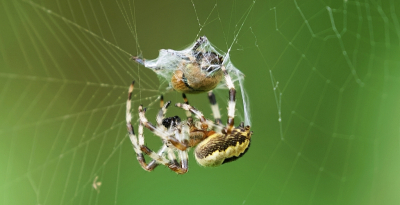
215	143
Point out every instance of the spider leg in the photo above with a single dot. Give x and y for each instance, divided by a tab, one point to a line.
160	117
163	110
129	126
172	157
183	155
159	158
191	133
231	102
214	108
188	113
132	136
193	110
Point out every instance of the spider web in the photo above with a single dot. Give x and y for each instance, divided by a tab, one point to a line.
322	78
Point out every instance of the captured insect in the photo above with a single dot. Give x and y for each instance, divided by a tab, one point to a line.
196	69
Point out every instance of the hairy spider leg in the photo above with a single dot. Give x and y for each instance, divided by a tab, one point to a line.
132	136
183	155
162	111
172	157
129	126
170	151
214	108
160	117
231	102
182	135
196	136
199	114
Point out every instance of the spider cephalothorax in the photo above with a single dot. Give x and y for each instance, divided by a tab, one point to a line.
193	71
215	143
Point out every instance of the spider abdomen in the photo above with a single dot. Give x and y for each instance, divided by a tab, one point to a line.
219	148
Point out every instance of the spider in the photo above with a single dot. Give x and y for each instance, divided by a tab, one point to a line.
193	71
215	144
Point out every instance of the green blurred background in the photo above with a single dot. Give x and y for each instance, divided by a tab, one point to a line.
329	70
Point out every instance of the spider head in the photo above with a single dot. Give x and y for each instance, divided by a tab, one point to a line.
171	121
